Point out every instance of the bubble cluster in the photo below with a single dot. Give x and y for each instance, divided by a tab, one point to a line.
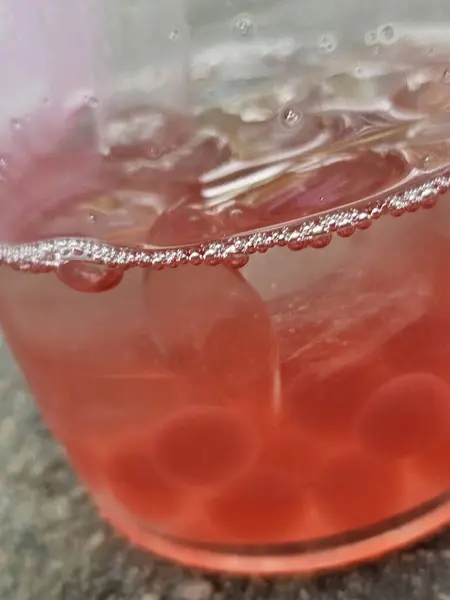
154	152
328	42
4	164
387	34
291	117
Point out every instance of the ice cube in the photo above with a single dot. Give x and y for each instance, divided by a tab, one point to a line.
90	358
334	306
81	331
212	327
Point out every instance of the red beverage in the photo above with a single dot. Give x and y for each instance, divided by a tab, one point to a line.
232	403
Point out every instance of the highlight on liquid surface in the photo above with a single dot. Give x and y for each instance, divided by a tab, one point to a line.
300	403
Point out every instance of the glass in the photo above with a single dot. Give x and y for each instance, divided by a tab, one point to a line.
255	409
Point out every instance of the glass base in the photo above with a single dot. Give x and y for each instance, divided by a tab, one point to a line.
411	530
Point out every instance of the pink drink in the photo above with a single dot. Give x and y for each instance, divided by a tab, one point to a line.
254	409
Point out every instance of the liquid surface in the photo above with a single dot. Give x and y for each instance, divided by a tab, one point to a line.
300	400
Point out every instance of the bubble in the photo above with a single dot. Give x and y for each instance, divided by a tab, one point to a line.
88	277
19	135
92	101
16	124
328	43
4	164
291	117
154	152
387	34
237	261
371	38
446	76
210	95
244	26
174	35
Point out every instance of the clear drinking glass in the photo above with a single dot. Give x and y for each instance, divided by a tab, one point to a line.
232	403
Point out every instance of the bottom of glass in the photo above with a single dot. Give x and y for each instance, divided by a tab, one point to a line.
298	559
